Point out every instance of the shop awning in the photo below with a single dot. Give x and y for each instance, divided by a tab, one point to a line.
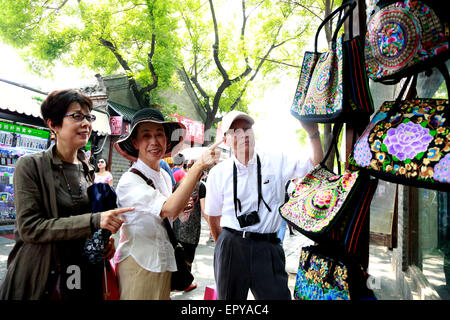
20	99
101	124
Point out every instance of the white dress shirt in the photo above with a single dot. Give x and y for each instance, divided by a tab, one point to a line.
276	170
143	235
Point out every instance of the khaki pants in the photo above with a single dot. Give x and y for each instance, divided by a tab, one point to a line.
136	283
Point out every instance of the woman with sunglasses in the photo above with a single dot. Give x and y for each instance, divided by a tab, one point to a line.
54	216
102	175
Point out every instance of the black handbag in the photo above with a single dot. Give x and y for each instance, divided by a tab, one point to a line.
103	198
182	278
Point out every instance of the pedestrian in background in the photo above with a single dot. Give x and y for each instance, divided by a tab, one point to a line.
145	256
54	217
101	174
164	165
178	164
188	225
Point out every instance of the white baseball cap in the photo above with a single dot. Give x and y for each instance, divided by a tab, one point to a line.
230	117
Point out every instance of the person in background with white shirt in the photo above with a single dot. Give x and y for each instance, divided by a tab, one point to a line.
145	257
243	195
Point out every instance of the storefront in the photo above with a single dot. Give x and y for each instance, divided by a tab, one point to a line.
15	141
22	132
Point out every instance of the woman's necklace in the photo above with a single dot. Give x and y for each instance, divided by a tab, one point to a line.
69	189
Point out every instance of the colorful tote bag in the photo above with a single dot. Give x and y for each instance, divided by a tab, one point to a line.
324	275
408	142
403	38
328	207
318	199
319	95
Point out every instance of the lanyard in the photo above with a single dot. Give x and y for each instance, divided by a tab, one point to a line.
237	202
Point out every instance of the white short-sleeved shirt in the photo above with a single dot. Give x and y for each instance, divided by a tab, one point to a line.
276	170
143	235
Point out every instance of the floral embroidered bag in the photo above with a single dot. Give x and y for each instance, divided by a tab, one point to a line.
324	274
404	38
331	208
408	142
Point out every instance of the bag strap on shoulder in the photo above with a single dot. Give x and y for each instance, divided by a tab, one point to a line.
167	225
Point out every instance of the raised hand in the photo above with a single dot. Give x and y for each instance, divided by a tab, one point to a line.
211	156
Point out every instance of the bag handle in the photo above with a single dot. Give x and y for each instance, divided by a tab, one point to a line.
352	5
334	141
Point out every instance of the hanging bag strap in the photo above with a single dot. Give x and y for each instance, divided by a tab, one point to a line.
352	5
334	143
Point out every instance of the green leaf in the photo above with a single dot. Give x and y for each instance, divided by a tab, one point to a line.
419	155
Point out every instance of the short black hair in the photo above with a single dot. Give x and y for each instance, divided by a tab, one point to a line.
57	103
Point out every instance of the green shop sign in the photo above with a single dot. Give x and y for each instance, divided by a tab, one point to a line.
24	130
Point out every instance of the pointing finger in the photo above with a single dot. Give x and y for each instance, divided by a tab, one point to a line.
122	210
214	146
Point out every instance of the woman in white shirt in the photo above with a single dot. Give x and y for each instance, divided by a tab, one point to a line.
145	257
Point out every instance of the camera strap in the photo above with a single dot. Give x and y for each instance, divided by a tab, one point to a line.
237	202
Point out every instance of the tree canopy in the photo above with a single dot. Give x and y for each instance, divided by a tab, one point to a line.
222	47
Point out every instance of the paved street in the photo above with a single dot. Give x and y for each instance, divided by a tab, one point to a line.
204	275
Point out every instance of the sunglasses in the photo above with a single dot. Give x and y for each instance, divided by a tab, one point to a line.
101	161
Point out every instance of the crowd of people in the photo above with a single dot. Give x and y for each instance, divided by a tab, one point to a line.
239	198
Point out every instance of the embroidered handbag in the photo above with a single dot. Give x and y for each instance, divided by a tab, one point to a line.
327	207
331	208
323	274
319	95
404	38
408	142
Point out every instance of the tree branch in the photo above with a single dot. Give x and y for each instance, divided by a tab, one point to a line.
125	66
151	67
281	62
216	44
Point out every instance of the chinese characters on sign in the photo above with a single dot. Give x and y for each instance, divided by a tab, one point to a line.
194	129
116	125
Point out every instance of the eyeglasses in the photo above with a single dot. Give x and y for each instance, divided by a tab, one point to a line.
239	132
79	116
101	161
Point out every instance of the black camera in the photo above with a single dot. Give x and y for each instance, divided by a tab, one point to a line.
248	219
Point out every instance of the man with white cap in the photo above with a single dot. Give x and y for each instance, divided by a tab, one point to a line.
243	194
